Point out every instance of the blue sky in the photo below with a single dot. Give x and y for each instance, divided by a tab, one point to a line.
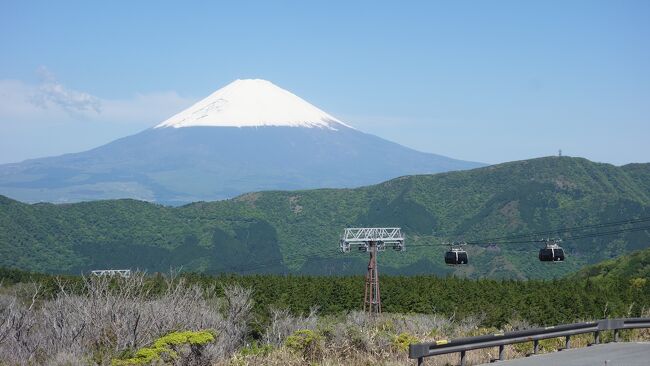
489	81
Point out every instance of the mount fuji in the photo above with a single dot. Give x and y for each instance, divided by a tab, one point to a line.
251	135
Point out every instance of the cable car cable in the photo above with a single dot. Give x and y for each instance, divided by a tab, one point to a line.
317	254
562	230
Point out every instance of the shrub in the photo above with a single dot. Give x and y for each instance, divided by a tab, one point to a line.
638	283
306	342
523	348
482	331
256	350
166	348
545	345
386	325
401	342
551	344
358	339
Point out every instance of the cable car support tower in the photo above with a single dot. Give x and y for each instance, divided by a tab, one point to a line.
372	240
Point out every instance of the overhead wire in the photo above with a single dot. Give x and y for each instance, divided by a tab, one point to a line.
578	237
506	239
562	230
497	240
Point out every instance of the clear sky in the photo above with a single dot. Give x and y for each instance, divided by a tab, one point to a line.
488	81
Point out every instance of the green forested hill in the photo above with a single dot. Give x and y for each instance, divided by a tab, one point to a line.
297	231
633	268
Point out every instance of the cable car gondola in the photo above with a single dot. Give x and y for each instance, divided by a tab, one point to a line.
551	252
456	255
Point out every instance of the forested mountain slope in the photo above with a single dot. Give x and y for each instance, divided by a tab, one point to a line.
633	268
297	231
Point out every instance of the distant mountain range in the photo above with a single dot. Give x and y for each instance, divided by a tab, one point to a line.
248	136
298	231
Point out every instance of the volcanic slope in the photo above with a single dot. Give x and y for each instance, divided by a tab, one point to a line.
298	231
250	135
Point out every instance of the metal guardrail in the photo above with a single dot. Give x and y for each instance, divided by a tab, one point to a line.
421	350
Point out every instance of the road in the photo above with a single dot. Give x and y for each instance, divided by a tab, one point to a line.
610	354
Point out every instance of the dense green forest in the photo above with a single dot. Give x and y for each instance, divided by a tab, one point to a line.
295	320
297	231
633	267
615	288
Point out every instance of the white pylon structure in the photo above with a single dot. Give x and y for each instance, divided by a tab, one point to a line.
372	240
124	273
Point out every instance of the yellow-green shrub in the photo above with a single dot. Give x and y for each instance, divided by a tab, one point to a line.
163	349
401	342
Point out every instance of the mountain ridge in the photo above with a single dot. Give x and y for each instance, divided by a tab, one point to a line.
208	163
297	231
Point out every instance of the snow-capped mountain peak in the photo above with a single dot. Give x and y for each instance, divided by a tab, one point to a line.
250	103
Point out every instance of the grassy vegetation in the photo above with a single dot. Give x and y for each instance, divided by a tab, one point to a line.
297	231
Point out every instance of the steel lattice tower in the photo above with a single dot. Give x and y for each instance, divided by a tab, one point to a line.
373	241
372	296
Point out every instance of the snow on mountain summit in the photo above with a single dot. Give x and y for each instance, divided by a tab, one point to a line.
249	103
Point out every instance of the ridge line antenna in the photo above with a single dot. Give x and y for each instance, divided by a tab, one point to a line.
372	240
